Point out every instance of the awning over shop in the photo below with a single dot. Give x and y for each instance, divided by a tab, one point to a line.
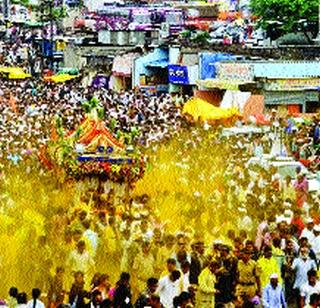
222	84
162	63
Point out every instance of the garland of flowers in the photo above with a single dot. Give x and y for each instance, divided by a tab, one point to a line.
125	167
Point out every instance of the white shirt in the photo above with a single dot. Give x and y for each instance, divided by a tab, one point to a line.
168	290
316	246
307	290
301	267
92	238
39	304
308	234
80	262
273	298
186	282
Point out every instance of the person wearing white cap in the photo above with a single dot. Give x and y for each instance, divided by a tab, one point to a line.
315	244
307	232
273	295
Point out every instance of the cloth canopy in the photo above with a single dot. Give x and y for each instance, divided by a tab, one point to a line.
94	134
60	78
14	72
162	63
236	99
204	111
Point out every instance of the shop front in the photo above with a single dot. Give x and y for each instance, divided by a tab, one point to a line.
298	95
151	72
183	77
183	71
121	78
230	81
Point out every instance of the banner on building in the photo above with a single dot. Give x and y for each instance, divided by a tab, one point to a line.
292	84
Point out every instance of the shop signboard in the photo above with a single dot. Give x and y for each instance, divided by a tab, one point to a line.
178	74
274	98
292	84
235	71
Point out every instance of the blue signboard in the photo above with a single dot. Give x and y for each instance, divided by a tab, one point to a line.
178	74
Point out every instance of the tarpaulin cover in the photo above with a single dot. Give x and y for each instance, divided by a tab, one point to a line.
212	97
208	61
14	72
236	99
294	109
61	78
200	109
254	106
162	63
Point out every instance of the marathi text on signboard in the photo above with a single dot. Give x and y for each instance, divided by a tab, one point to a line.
235	71
292	84
178	74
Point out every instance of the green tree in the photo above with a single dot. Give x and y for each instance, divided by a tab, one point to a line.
290	13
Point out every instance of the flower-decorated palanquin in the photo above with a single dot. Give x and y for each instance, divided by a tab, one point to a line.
92	151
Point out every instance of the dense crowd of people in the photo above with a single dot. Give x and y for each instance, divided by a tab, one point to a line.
269	256
29	112
203	228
